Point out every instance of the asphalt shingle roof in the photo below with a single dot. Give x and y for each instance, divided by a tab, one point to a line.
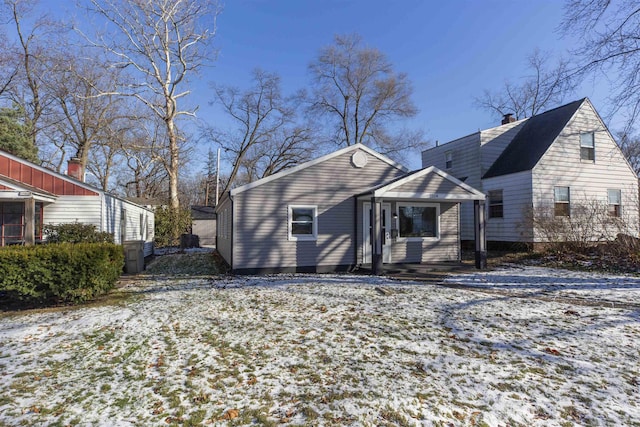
533	140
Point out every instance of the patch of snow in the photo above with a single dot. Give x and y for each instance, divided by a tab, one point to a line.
330	349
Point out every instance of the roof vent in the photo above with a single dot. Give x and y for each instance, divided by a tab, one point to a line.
508	118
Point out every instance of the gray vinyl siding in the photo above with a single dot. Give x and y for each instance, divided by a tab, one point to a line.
588	181
516	197
431	184
224	228
465	167
261	214
205	229
446	248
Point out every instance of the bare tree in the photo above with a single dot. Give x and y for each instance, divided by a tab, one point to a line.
630	146
356	90
30	56
81	118
610	34
545	87
267	138
160	43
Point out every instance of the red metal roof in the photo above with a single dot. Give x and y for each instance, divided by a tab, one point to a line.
36	177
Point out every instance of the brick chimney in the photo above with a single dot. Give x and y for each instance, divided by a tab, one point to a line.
508	118
74	169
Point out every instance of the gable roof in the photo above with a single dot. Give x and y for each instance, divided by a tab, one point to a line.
458	191
533	140
315	162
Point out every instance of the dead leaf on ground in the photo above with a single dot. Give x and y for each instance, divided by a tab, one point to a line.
552	351
231	414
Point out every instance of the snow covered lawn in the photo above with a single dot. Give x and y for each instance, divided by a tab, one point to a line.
331	350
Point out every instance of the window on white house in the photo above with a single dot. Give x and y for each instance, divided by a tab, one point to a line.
496	208
142	224
303	222
587	146
562	201
615	202
419	220
448	160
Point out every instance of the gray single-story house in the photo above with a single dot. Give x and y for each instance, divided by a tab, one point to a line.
349	208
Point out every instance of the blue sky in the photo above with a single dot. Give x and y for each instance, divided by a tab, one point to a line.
451	50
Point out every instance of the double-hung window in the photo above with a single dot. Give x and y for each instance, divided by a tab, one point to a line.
418	220
303	222
496	206
615	202
587	147
562	201
448	160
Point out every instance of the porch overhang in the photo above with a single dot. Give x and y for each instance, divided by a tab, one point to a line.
12	190
429	184
16	196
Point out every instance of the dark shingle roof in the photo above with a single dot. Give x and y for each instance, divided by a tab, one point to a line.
533	140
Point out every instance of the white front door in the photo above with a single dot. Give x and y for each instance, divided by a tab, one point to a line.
367	232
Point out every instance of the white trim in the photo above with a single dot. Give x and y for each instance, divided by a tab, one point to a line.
314	227
419	204
315	162
366	236
385	190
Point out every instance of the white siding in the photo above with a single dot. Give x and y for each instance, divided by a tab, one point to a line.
495	140
68	209
516	197
139	222
588	181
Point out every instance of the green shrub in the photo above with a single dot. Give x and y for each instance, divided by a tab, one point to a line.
76	232
59	273
169	225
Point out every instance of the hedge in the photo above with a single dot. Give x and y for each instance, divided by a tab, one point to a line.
59	273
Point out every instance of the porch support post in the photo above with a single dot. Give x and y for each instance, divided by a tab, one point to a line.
29	222
376	239
480	234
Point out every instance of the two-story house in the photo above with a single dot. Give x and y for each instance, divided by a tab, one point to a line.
557	163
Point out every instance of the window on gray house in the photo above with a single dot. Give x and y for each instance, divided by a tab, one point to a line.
587	146
562	201
496	209
615	202
418	220
303	222
448	160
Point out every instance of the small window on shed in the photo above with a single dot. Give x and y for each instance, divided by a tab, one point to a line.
448	160
587	147
142	224
496	206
